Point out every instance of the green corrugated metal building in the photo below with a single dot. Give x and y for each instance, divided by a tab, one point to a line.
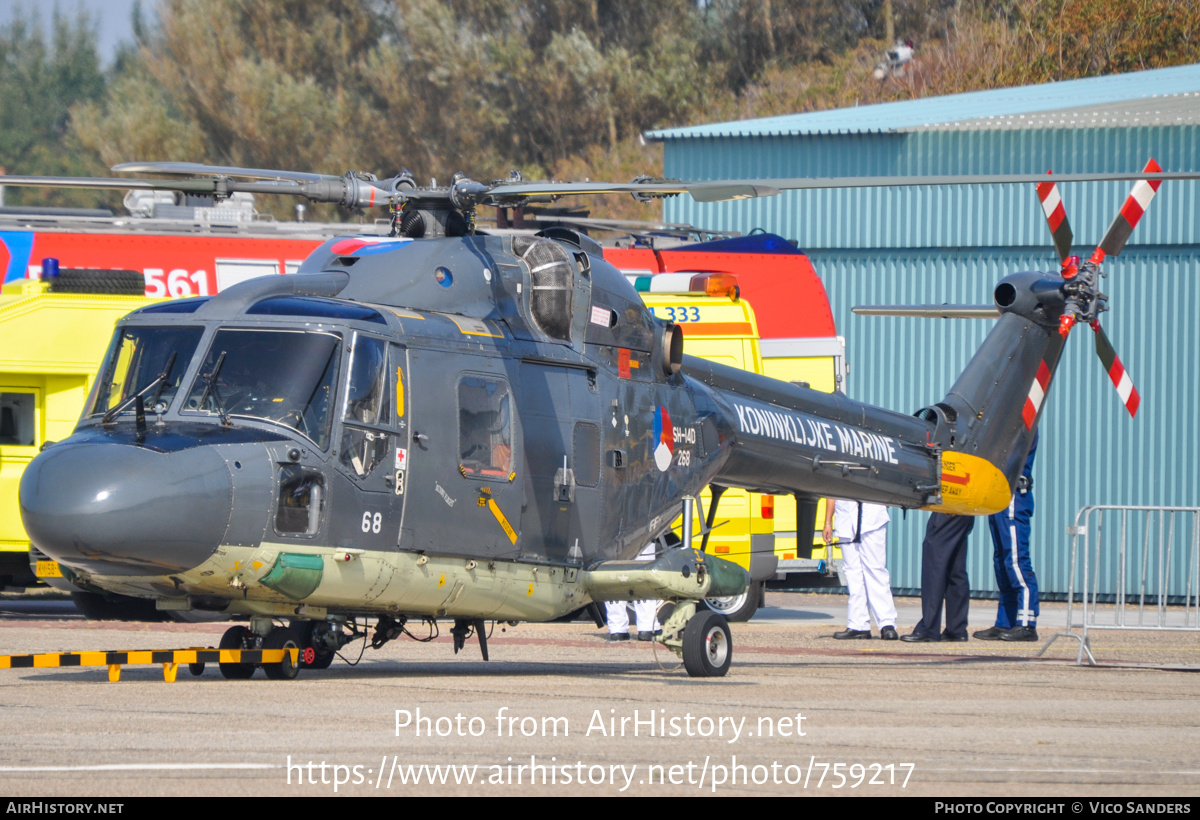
933	245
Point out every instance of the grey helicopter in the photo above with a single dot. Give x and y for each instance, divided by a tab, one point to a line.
441	425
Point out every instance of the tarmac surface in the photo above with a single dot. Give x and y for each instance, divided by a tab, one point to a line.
799	713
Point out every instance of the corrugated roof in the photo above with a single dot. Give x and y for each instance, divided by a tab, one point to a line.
1169	84
1170	109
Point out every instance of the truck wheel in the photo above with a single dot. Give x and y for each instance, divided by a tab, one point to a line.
738	608
282	637
236	637
707	645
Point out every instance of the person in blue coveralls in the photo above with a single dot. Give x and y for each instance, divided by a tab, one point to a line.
1016	616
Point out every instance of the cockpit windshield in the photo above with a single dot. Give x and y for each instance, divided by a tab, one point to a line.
283	376
141	355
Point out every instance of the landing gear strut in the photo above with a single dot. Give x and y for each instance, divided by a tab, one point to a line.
462	630
319	642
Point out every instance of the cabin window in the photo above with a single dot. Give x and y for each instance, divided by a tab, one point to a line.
17	415
301	494
484	427
311	306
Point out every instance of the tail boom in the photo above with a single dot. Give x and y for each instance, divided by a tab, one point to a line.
961	456
790	439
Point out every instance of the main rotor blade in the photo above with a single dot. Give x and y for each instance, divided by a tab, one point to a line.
354	191
191	186
1056	217
627	225
345	191
727	189
193	169
1116	371
1137	203
929	311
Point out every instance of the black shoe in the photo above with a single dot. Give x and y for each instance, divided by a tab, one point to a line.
920	637
946	636
853	635
645	636
613	637
992	633
888	633
1019	633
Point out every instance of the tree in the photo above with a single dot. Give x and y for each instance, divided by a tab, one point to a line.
39	82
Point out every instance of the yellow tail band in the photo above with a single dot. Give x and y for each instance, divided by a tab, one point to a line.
971	486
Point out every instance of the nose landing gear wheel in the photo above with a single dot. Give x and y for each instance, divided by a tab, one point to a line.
237	637
282	637
707	645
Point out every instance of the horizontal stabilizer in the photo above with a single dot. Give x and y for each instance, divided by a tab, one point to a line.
931	311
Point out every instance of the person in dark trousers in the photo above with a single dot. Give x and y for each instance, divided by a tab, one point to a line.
944	578
1016	616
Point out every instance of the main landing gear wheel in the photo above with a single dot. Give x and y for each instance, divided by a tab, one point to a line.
237	637
312	655
707	645
738	608
282	637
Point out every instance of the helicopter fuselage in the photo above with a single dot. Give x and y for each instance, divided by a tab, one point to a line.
363	455
474	427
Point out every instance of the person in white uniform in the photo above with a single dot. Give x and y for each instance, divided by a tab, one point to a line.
646	612
861	531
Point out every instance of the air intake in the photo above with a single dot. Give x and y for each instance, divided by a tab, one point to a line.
552	284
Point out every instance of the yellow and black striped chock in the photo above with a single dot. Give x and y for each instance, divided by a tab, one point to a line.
169	658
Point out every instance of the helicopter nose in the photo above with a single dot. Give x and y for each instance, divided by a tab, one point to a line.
115	509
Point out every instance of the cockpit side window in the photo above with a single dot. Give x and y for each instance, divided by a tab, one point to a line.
365	445
367	394
484	427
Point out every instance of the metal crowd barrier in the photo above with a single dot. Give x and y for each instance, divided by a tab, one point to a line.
1144	561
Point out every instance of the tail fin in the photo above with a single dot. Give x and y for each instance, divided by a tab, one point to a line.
986	423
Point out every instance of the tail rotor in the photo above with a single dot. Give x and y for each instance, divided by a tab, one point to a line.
1084	301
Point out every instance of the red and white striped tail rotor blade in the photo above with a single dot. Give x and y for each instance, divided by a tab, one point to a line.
1136	205
1056	217
1116	371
